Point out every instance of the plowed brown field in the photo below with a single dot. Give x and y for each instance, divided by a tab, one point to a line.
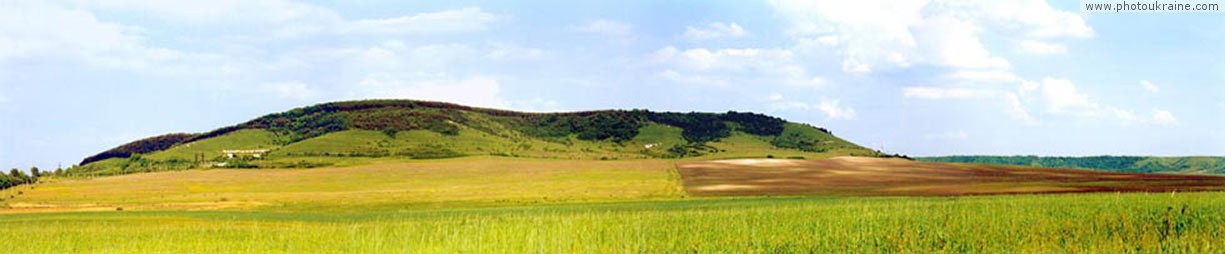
859	176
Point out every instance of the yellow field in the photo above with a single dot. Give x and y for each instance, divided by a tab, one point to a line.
470	181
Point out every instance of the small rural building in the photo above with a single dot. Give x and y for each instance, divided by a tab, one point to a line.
257	153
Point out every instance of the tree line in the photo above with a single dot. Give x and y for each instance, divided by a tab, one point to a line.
17	177
1136	164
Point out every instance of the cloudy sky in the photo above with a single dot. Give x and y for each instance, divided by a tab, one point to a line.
913	77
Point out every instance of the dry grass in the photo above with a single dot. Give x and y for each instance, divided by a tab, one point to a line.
897	177
474	180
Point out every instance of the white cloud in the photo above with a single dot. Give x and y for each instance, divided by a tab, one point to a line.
835	111
537	105
1028	86
734	66
466	19
949	41
831	108
608	27
237	11
775	97
778	103
1162	117
388	56
715	30
48	33
1017	110
1158	117
244	20
1063	97
475	90
1030	18
693	79
874	34
724	59
75	37
936	93
282	18
814	82
1149	86
292	90
828	40
983	76
870	33
510	51
1042	48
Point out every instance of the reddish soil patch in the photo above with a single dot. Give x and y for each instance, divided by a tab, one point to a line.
859	176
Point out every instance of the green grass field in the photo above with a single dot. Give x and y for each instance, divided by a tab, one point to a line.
1102	223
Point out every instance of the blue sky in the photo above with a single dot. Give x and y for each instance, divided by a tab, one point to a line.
915	77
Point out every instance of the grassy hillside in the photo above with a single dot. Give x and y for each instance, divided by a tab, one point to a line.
1137	164
354	132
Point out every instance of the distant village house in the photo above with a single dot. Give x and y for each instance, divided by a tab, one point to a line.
257	153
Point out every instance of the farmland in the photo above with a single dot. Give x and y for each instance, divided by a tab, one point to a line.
1103	222
462	181
498	204
427	177
858	176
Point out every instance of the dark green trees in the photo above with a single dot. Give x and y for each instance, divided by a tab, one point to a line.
15	177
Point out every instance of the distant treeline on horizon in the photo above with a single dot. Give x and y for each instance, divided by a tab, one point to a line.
1132	164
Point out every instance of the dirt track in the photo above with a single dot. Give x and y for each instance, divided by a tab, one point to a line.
859	176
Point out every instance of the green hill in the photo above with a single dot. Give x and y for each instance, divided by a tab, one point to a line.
359	132
1133	164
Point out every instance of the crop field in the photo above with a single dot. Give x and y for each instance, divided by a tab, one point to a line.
469	180
859	176
517	205
1102	222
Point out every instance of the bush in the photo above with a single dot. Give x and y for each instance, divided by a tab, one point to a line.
695	127
614	125
430	152
239	164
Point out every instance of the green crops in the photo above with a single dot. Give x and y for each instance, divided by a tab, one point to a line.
1110	223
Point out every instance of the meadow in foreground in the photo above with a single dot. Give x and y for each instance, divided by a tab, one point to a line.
1102	222
516	205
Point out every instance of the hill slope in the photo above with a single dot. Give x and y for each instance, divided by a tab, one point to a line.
1134	164
357	132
